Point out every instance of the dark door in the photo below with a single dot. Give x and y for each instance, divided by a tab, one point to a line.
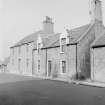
49	68
63	66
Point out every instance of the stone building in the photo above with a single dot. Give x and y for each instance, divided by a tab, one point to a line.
68	55
65	55
4	65
21	56
98	59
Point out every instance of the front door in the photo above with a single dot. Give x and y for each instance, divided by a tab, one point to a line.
63	66
49	68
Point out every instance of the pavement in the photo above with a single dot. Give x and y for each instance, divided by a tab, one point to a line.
85	82
91	83
78	82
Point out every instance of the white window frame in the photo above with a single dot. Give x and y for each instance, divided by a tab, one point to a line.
39	44
62	44
61	62
38	47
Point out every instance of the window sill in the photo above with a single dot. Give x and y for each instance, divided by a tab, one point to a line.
61	52
64	74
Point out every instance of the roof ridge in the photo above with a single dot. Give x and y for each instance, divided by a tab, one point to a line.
77	32
25	38
79	27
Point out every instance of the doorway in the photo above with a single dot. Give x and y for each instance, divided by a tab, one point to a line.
49	68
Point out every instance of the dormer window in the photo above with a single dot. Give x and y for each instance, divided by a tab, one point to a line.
63	45
39	47
39	44
63	41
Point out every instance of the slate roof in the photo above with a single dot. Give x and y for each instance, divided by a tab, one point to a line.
32	37
51	40
99	41
74	36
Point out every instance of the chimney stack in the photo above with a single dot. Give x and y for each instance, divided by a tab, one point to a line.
48	25
96	11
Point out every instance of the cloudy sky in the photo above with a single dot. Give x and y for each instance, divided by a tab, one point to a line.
19	18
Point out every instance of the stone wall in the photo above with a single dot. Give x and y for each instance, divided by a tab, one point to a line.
70	57
23	55
98	64
54	56
83	54
42	57
71	60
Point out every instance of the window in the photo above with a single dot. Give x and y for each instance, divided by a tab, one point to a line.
49	67
38	65
39	44
39	47
63	48
63	41
19	49
63	44
19	64
63	66
27	63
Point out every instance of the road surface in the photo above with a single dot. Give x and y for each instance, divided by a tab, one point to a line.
19	90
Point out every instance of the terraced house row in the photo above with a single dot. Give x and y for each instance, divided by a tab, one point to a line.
71	54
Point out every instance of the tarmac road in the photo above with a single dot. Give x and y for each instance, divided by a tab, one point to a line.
31	91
